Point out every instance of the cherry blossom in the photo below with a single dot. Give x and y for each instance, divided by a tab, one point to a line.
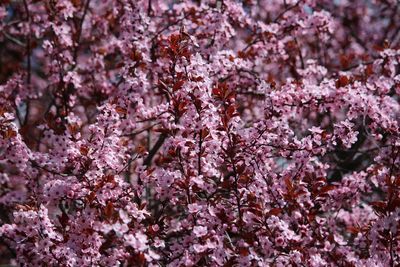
199	133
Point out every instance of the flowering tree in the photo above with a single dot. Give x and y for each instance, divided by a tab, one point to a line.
200	133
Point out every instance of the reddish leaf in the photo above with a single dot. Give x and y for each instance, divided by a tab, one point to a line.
84	150
326	189
121	110
109	210
275	211
178	85
342	81
63	219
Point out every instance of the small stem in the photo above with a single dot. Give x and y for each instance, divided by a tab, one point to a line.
86	8
199	155
153	151
29	64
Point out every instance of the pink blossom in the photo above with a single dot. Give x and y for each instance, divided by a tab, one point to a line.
200	231
199	133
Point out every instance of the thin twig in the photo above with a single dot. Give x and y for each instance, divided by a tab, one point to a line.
153	151
80	27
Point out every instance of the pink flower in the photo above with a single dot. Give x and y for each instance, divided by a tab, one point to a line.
194	208
191	133
138	241
200	231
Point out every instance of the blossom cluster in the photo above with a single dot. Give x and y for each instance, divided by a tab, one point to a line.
200	133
